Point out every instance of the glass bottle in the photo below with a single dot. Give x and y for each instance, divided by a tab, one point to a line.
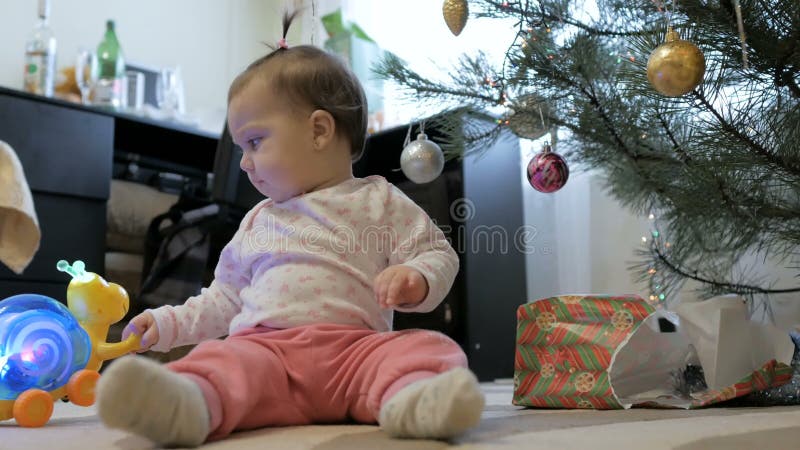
109	89
40	55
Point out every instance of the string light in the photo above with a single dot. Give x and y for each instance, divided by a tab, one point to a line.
619	56
657	296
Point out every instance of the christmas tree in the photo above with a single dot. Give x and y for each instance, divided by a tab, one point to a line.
715	160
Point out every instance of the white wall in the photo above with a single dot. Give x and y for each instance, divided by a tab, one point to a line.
415	31
211	40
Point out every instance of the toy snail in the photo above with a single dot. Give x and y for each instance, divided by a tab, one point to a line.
48	352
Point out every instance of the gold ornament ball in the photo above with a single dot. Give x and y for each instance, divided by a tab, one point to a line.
676	66
455	15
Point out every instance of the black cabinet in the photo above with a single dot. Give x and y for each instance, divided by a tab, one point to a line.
67	156
495	257
68	153
478	204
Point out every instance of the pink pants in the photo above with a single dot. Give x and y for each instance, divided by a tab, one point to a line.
323	373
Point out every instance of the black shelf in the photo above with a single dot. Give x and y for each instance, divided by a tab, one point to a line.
171	142
169	125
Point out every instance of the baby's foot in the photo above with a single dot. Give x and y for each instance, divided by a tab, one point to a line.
139	395
439	407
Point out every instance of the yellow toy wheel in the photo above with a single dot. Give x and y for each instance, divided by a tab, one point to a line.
80	388
33	408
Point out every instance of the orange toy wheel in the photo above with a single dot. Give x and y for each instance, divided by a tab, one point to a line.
80	388
33	408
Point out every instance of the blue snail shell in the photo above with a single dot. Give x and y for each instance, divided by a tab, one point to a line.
41	345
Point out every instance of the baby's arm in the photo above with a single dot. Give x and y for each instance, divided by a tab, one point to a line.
417	243
207	315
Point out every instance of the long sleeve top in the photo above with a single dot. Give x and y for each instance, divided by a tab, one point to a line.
312	259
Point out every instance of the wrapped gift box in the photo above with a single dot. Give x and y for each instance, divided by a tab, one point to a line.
610	352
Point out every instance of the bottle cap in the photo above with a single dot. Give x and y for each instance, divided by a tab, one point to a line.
44	9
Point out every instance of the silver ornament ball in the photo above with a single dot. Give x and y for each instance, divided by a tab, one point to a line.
422	160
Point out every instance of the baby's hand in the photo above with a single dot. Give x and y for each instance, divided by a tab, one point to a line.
143	325
400	286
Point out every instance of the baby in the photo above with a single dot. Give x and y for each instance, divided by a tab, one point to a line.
305	289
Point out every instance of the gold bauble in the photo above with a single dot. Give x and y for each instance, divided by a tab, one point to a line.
525	118
455	15
676	66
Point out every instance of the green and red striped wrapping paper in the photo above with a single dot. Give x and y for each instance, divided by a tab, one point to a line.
565	346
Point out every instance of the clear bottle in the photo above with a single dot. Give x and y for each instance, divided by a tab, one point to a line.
109	90
40	55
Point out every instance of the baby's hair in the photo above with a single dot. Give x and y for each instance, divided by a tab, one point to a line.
310	76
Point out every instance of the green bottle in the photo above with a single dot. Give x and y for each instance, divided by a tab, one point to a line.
110	86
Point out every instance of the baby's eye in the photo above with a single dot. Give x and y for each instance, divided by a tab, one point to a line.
254	143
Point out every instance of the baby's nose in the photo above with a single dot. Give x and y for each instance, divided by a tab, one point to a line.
246	163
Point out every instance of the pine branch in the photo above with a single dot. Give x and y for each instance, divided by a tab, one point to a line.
785	77
738	134
393	67
675	145
743	289
544	18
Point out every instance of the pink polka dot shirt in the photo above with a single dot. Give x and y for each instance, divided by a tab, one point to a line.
312	259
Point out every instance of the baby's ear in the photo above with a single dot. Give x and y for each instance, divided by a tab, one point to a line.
324	128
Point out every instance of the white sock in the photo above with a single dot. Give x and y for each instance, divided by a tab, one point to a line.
439	407
141	396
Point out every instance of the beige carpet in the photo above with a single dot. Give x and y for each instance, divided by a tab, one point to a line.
503	427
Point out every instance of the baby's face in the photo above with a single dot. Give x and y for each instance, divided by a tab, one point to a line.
277	142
